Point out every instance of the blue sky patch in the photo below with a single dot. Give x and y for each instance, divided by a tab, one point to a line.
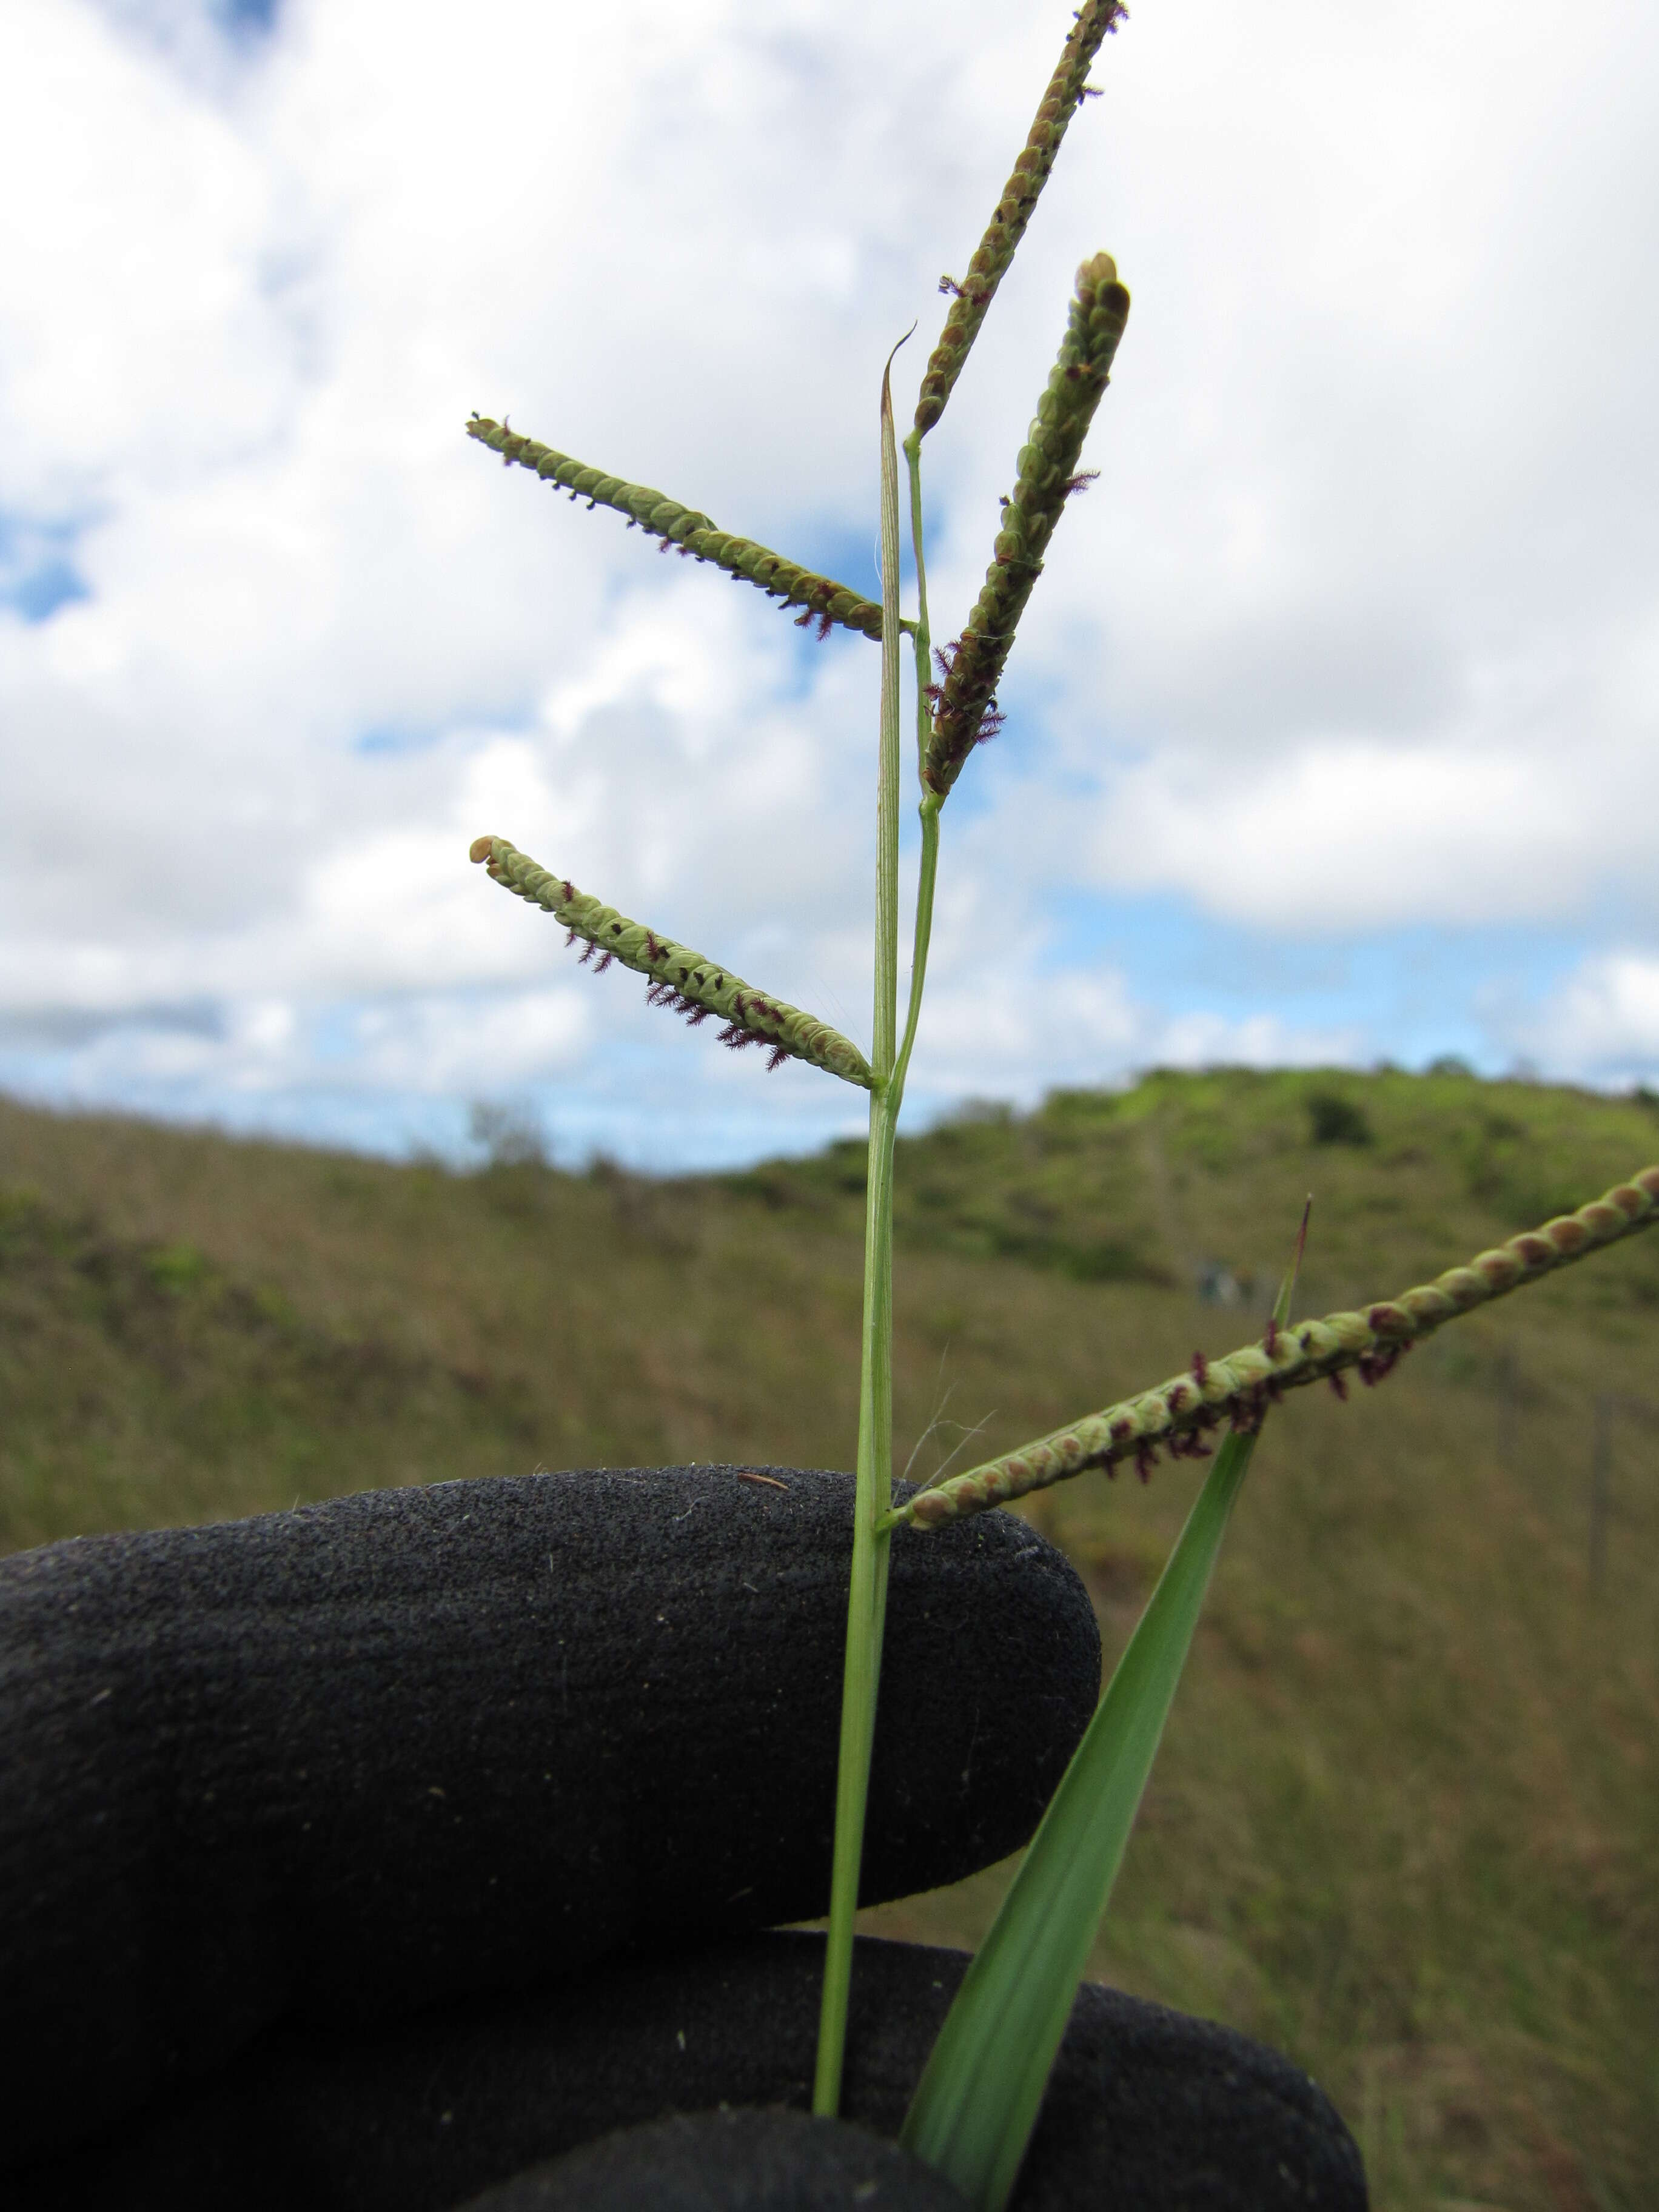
37	575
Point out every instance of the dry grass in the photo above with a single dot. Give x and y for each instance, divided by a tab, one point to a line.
1406	1824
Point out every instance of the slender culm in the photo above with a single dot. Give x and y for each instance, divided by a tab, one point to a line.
964	710
1236	1390
686	981
820	598
866	1588
1066	94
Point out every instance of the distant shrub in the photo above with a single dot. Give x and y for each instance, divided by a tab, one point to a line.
1111	1262
982	1113
175	1267
507	1136
1085	1106
1334	1120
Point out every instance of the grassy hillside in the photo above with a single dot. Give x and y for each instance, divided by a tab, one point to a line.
1406	1824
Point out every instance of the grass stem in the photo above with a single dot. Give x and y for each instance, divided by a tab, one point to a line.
866	1604
931	802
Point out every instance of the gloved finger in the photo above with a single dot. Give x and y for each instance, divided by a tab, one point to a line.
376	1753
730	2161
1146	2110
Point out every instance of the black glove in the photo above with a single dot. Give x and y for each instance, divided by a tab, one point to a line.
730	2161
316	1826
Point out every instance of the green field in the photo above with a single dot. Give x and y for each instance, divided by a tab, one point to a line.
1406	1824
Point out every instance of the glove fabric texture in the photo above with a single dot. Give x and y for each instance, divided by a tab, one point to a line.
374	1854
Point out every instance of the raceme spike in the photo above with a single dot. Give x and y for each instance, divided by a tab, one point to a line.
973	296
1238	1389
965	700
680	978
819	598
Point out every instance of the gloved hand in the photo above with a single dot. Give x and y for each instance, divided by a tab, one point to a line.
366	1855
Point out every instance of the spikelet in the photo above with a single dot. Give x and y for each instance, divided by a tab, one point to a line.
1238	1390
964	701
679	978
819	598
1066	92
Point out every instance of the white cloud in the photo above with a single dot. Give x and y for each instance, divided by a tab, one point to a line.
1357	629
1604	1019
1352	835
1010	1036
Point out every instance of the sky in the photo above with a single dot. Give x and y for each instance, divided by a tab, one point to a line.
1330	731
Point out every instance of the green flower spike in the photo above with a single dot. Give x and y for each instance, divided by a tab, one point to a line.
693	533
964	702
1239	1388
680	978
1066	94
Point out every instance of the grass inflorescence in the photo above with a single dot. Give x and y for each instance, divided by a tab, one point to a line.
963	700
820	598
1238	1388
971	298
687	983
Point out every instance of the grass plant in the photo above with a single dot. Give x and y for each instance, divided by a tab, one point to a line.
984	2083
955	712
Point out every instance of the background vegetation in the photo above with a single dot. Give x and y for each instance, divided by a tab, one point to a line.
1407	1823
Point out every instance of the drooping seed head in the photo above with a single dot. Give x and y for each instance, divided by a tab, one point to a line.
1240	1387
677	977
686	531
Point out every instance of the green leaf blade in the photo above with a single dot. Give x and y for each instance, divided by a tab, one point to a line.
977	2101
